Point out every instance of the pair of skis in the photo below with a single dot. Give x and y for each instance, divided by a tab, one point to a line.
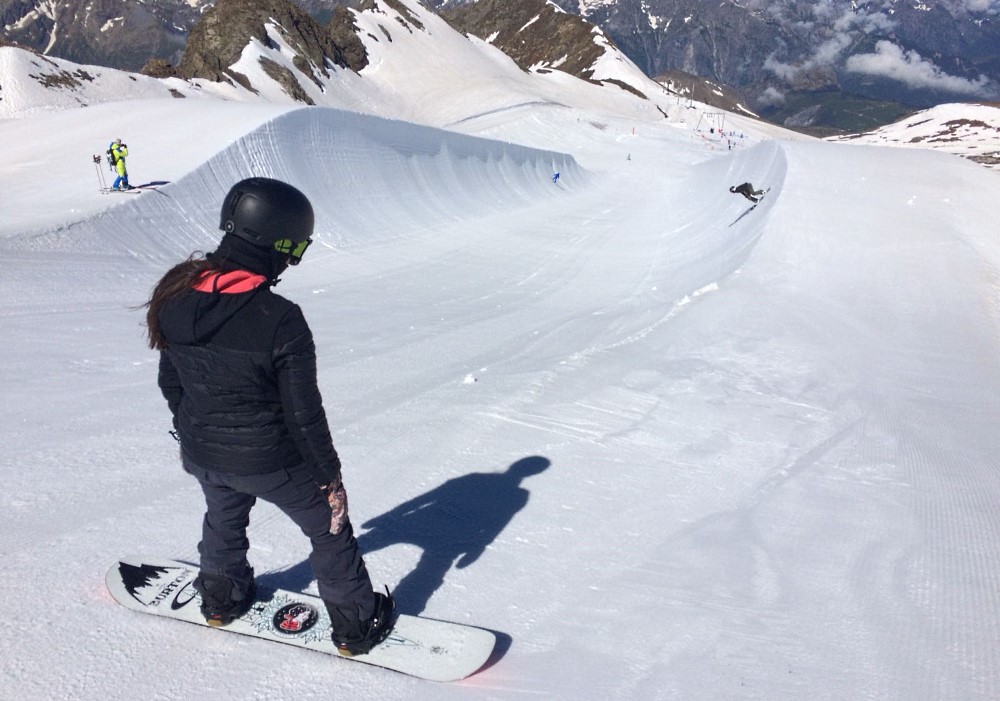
103	184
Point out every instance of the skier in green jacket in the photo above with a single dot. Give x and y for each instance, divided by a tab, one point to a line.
118	151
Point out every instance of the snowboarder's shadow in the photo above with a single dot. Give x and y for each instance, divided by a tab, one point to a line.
752	208
452	525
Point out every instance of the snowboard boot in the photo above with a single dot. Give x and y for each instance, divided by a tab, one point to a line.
222	599
358	637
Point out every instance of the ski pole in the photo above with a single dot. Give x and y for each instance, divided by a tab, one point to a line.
100	173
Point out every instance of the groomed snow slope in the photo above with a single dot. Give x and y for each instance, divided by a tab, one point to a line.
763	442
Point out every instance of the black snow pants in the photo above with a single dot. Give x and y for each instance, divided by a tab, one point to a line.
340	571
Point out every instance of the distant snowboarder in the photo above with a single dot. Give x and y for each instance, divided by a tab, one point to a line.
555	178
746	189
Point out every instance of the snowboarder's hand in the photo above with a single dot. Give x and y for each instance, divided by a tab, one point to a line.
336	496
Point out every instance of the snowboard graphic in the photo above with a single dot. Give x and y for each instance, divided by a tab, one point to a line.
421	647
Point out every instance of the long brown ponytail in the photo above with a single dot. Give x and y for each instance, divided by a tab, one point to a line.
177	281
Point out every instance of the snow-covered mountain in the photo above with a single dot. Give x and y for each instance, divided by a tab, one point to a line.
966	129
286	57
665	443
842	65
827	67
271	51
279	65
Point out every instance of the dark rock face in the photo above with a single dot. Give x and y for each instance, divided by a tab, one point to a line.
219	38
344	34
532	32
153	36
217	41
111	33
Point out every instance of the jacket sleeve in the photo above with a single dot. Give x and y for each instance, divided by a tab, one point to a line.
295	362
170	384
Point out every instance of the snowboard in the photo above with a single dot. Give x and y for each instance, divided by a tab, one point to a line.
112	191
760	198
420	647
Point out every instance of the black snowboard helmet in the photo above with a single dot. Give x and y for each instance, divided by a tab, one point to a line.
268	213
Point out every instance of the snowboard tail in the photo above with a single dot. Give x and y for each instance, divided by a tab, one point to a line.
420	647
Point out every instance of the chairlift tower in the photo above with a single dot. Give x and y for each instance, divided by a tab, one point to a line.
718	119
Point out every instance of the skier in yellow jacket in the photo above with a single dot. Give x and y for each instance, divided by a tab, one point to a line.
118	153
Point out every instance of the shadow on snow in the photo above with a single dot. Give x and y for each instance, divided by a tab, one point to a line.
452	524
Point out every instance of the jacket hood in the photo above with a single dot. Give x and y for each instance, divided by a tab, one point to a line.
194	318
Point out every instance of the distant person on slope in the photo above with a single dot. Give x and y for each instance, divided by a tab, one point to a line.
117	153
238	371
746	189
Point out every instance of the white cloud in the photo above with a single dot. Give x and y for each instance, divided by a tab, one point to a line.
826	54
909	67
770	97
831	41
785	71
865	22
991	6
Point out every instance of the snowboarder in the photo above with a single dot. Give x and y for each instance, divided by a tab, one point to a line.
746	189
238	371
116	154
555	178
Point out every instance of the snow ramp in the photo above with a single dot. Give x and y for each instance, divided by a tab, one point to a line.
368	178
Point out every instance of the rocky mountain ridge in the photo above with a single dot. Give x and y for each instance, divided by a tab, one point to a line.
217	41
823	66
535	33
539	36
274	50
833	65
113	33
522	29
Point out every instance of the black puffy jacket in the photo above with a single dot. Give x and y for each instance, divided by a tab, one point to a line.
239	374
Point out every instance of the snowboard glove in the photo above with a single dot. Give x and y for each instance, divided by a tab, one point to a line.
336	497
